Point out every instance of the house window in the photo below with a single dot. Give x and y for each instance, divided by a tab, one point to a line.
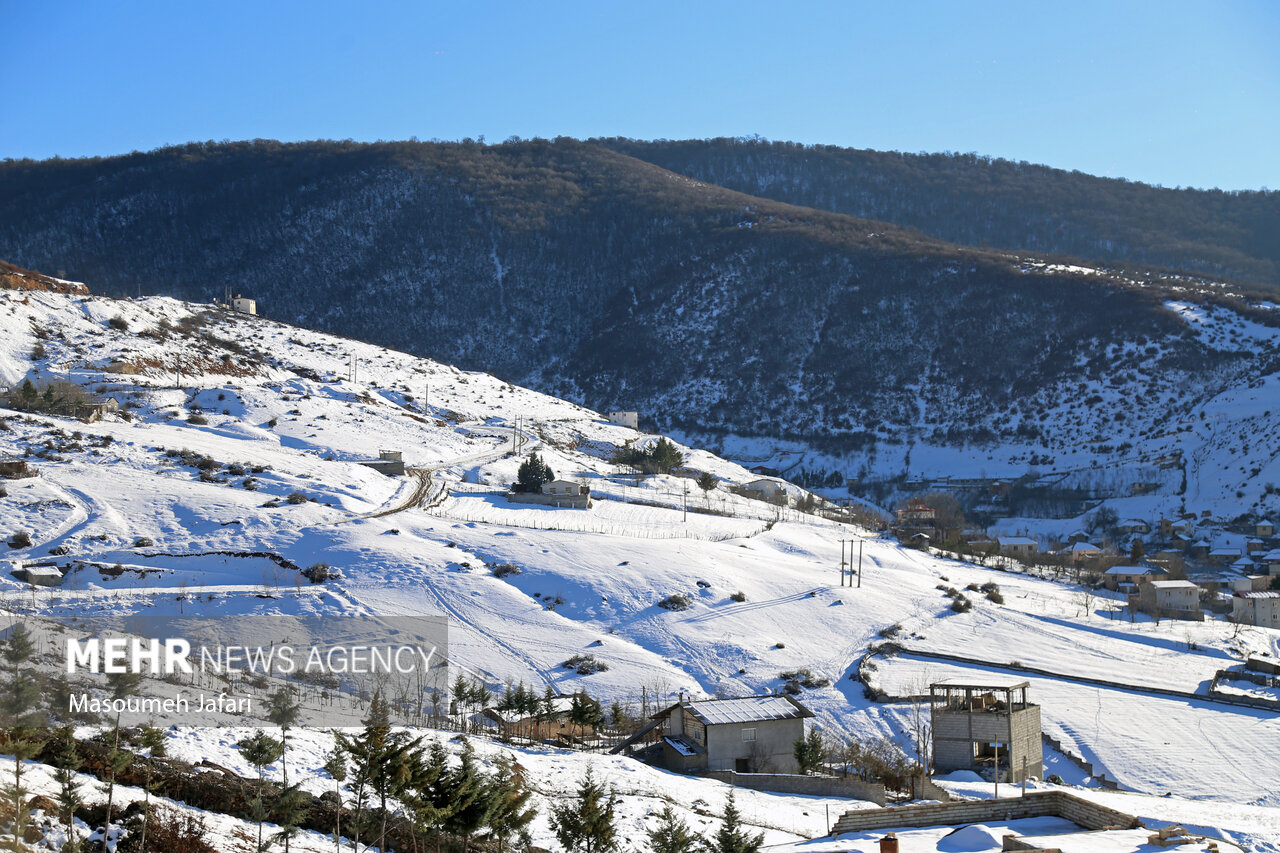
748	734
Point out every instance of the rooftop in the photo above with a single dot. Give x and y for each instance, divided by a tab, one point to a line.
747	710
988	682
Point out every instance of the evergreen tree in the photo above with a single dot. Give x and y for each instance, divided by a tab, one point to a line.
665	457
68	797
121	685
151	740
260	749
428	795
383	762
509	809
335	764
283	711
707	481
586	825
809	751
20	705
585	711
533	472
673	835
733	837
469	795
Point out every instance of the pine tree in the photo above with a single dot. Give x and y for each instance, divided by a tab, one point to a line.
809	751
335	764
665	457
510	812
121	685
586	825
383	762
68	797
673	835
469	795
20	706
260	749
533	472
733	836
283	711
152	741
428	794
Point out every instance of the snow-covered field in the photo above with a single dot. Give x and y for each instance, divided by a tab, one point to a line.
281	409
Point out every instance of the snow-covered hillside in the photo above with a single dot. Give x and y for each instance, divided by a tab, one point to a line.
268	411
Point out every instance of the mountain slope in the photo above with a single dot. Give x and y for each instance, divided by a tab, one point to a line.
980	201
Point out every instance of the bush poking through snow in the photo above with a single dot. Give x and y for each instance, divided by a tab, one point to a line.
798	679
679	601
738	596
20	539
143	542
118	323
296	498
961	604
505	570
197	419
585	664
167	829
995	597
321	572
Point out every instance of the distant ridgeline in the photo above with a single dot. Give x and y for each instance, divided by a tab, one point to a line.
592	272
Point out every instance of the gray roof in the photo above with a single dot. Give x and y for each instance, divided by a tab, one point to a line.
749	710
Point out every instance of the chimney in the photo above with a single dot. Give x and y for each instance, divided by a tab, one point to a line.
889	844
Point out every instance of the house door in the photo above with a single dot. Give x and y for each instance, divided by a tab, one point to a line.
742	765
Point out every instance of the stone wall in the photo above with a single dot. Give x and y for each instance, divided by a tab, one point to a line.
1035	804
808	786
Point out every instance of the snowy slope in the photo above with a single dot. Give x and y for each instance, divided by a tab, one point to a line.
284	400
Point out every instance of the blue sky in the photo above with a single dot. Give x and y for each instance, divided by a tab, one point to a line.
1175	93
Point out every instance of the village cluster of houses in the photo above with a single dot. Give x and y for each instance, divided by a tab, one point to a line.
1179	574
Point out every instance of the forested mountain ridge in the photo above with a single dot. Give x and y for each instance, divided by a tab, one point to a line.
981	201
591	274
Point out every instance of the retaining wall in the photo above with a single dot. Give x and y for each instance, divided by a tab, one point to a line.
809	786
1035	804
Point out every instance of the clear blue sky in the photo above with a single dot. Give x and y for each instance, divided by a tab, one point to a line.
1176	93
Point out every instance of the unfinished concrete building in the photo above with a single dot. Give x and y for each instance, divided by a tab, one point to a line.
986	726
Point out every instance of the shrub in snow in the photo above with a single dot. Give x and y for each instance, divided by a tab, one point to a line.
503	570
990	586
585	664
20	539
143	542
802	678
118	323
197	419
995	597
4	493
296	498
321	572
961	604
679	601
60	551
738	596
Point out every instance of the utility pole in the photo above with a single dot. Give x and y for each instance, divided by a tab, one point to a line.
842	561
859	563
685	519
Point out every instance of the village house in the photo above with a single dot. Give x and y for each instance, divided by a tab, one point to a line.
1078	552
1264	529
1251	583
244	305
548	726
626	419
1224	556
1168	599
1261	608
1200	549
1017	546
766	489
1254	546
1127	578
756	734
1133	525
389	462
1243	565
1271	560
986	726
